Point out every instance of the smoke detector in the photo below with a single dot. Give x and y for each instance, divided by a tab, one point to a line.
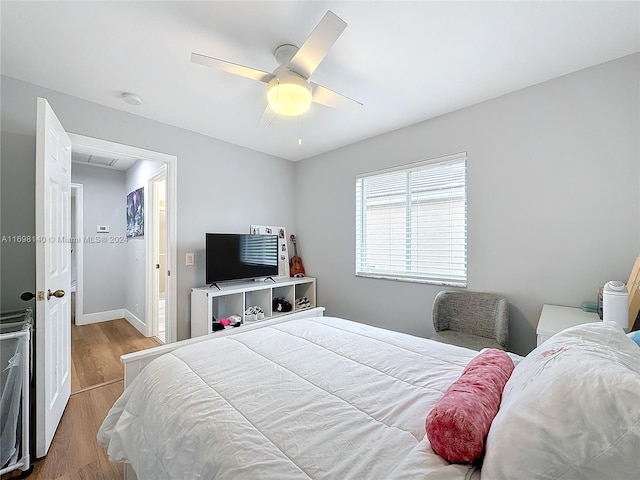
132	99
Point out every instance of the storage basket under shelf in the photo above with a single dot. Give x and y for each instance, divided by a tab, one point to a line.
15	368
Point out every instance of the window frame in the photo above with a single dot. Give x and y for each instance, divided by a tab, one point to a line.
454	277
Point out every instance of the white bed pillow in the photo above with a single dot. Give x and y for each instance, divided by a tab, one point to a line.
571	410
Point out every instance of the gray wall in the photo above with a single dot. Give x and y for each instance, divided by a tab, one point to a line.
138	176
553	195
17	217
221	187
553	202
104	277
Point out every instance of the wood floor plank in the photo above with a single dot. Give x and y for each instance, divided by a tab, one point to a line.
75	380
96	350
116	330
75	453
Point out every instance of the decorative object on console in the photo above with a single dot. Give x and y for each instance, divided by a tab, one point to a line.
283	251
302	303
254	313
296	267
232	321
281	305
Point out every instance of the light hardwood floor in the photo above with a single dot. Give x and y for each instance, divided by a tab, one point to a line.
96	350
75	453
96	383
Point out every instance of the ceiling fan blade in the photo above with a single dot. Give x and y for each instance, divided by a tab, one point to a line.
317	45
329	98
268	116
230	67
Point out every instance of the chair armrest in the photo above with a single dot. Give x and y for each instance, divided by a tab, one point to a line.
440	320
502	322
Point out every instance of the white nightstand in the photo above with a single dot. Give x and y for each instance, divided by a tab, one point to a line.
554	319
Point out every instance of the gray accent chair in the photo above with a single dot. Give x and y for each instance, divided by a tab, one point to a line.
473	320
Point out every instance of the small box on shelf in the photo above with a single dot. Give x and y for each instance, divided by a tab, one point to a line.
280	305
232	321
302	303
253	314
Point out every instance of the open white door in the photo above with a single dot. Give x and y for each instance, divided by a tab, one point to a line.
53	274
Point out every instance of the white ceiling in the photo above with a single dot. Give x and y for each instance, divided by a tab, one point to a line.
97	158
405	61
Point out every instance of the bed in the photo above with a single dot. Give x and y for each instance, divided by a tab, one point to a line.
327	398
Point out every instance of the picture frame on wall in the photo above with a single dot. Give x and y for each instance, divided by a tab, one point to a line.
283	250
135	213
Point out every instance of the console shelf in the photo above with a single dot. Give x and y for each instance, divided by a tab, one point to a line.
210	304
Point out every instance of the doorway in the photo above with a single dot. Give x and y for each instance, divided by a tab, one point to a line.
77	251
104	327
158	264
166	178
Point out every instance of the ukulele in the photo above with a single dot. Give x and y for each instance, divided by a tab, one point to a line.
296	268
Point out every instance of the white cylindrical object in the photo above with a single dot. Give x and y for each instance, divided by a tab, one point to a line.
615	304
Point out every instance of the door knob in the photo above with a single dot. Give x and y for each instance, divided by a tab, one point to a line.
57	294
26	296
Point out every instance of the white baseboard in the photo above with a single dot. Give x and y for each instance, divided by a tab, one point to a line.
98	317
135	321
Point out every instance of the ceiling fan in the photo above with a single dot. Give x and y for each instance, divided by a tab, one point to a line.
289	91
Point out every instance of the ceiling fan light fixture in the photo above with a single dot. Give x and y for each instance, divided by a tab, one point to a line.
289	95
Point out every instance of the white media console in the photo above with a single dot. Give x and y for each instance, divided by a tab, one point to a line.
210	304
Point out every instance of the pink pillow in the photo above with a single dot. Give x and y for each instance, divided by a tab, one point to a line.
458	424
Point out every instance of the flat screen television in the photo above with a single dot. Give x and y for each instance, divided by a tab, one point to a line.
231	256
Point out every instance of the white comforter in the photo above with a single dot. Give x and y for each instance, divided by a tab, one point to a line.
320	398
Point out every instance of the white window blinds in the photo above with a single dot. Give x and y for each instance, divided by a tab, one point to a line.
411	222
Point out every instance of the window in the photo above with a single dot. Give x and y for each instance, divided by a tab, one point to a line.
411	222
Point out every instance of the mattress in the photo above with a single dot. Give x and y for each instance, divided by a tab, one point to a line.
320	398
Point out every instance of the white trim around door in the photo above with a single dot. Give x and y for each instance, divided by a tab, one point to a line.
77	250
154	269
84	142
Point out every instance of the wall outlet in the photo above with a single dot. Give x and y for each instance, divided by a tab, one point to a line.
189	259
137	311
